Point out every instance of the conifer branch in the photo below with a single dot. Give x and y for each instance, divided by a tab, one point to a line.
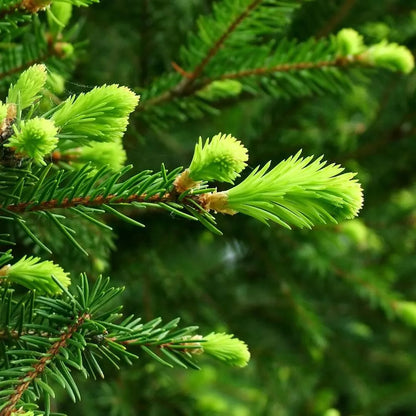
184	87
54	49
386	299
297	66
287	67
26	65
215	48
40	366
87	202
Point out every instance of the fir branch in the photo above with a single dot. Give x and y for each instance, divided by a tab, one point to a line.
87	201
26	65
297	66
216	47
286	67
381	294
184	87
53	50
40	366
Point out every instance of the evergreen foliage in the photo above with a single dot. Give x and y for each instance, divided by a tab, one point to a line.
327	314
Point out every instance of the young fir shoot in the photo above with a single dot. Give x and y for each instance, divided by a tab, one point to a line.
99	115
28	86
3	112
96	120
298	191
36	138
226	348
220	159
111	154
349	43
406	311
391	56
37	275
223	347
58	16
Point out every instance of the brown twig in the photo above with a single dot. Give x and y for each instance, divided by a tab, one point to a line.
297	66
86	201
40	366
181	71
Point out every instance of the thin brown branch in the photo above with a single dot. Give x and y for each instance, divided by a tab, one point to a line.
86	201
298	66
337	18
40	366
181	71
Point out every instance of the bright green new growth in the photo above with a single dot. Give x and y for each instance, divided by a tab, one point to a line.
226	348
32	273
55	83
37	137
29	413
386	55
3	112
111	154
221	159
59	15
297	192
349	42
99	115
29	84
221	89
391	56
406	311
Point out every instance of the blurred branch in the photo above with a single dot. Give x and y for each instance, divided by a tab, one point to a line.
337	18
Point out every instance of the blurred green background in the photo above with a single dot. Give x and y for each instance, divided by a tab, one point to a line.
315	307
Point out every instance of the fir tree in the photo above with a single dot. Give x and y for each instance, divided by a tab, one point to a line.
233	98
